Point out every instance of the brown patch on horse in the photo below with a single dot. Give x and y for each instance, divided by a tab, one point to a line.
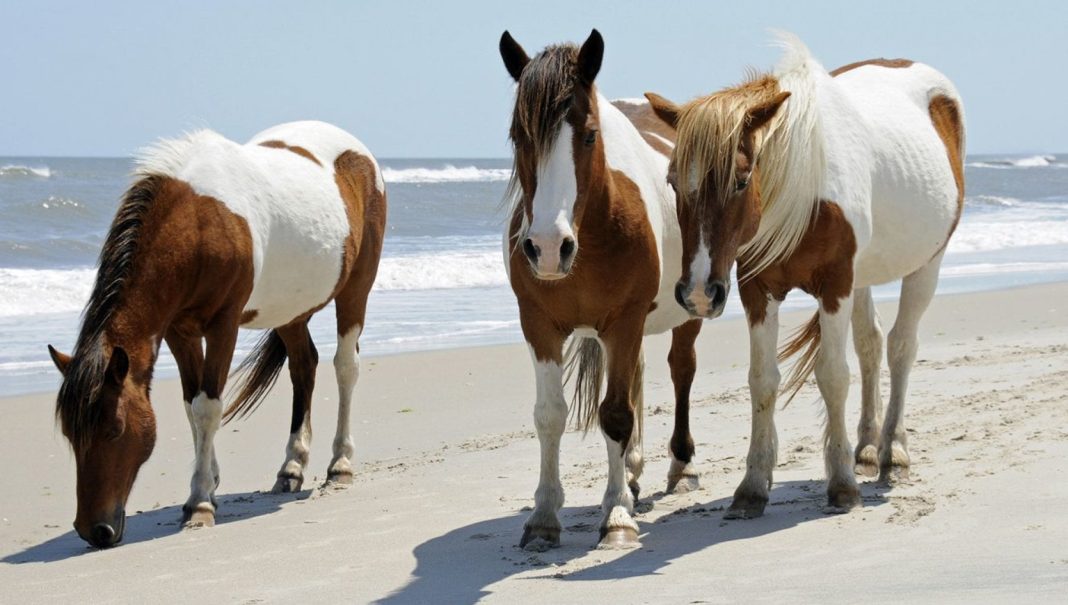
821	265
654	130
945	115
302	152
889	63
365	206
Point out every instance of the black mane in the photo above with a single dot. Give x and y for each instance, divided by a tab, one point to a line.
84	377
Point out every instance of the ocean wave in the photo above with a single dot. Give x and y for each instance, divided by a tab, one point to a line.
43	291
995	201
974	269
1034	161
446	174
1002	235
445	270
18	170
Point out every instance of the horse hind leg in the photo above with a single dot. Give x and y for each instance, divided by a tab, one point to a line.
351	305
303	359
917	290
682	359
868	342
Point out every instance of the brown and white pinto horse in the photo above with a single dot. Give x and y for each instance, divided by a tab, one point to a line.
211	237
828	182
593	251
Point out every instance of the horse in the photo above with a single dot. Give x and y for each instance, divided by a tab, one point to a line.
830	182
214	236
592	249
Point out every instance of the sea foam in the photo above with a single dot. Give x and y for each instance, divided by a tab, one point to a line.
445	174
18	170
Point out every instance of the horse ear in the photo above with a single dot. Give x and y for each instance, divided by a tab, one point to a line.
61	360
515	58
664	109
590	55
761	114
118	366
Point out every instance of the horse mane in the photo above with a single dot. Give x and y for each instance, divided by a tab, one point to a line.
791	161
84	377
543	96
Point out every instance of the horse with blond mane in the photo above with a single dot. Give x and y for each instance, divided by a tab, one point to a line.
830	182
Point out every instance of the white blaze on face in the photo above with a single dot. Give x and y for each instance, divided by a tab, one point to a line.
700	271
554	202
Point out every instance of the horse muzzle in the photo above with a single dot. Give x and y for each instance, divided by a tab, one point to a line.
550	258
106	533
707	302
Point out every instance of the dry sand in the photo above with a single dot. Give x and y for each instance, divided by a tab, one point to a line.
447	464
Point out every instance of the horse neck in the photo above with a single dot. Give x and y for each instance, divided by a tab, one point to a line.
138	329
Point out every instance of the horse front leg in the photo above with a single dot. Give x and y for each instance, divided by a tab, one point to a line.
762	312
206	414
832	377
868	343
616	414
682	359
542	529
303	360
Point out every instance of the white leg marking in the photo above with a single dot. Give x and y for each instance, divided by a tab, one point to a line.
206	414
868	342
832	377
917	290
752	493
298	447
550	420
347	368
618	503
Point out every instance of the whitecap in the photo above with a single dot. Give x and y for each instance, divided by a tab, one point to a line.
445	174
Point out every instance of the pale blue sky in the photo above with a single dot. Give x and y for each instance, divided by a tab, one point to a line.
423	79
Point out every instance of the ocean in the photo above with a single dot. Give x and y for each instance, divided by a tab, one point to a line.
441	282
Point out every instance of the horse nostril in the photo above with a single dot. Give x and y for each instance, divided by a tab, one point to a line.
531	250
102	535
680	294
717	293
567	248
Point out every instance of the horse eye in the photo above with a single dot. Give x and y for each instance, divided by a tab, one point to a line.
591	137
741	183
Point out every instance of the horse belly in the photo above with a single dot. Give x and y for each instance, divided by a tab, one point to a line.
298	264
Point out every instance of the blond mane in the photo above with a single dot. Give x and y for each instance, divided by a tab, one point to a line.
791	159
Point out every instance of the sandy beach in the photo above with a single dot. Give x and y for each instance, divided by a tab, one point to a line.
447	465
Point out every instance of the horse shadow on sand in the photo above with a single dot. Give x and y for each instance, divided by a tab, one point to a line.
144	526
458	566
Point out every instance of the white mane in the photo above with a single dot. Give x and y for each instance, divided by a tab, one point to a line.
166	157
792	160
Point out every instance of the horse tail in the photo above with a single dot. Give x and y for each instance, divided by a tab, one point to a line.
584	360
806	341
256	375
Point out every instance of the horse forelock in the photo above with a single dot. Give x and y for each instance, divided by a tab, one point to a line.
83	381
543	96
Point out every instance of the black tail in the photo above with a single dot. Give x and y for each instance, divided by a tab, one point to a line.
256	375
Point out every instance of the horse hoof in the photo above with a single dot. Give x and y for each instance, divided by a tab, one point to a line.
867	461
893	474
842	499
683	484
339	479
746	506
287	485
619	538
202	515
539	539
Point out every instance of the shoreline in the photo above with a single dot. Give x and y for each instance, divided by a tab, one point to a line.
446	465
797	302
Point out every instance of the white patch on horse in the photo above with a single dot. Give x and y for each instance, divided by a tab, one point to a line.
700	271
553	206
347	369
293	208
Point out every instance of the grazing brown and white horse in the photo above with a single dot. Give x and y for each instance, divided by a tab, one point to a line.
828	182
211	237
593	250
